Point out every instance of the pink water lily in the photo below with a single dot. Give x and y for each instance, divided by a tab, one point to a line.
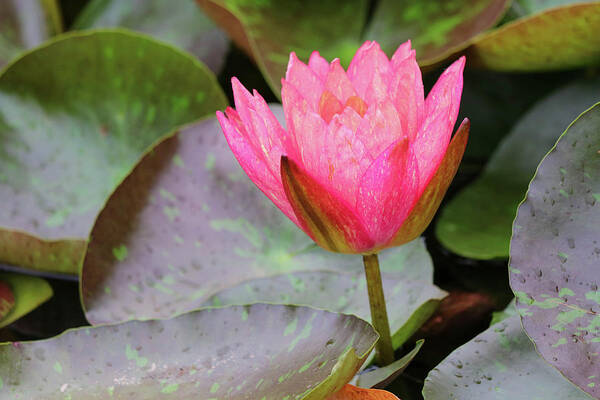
365	159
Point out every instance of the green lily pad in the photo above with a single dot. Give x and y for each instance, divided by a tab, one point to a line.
75	116
410	303
436	28
551	39
187	223
28	292
477	222
259	351
180	23
500	363
26	24
554	254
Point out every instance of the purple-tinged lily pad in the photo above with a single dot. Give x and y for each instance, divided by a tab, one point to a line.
75	116
555	252
261	351
437	28
477	222
26	292
556	38
25	24
500	363
410	303
187	224
180	23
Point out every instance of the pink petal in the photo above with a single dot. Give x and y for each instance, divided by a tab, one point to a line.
370	73
441	110
403	51
338	83
380	127
387	191
326	218
254	163
406	91
318	64
307	82
329	106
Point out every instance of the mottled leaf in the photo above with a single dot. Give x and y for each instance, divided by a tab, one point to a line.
437	28
477	222
75	116
271	29
555	252
259	351
410	303
500	363
556	38
187	223
181	23
28	292
25	24
382	377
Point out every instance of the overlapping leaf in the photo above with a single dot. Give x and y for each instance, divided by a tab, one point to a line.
258	351
500	363
555	253
180	23
75	115
25	24
334	28
188	224
25	293
477	222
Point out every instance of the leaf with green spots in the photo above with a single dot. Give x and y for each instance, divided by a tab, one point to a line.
225	232
26	24
500	363
75	116
437	28
555	250
382	377
180	23
410	303
26	293
477	222
551	39
210	351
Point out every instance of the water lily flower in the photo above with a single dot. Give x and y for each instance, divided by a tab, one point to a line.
365	159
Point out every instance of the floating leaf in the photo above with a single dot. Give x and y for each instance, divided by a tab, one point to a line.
187	223
28	292
258	351
437	28
556	38
180	23
555	251
25	24
75	116
477	222
410	303
382	377
350	392
500	363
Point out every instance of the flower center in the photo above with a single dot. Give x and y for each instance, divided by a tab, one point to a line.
329	105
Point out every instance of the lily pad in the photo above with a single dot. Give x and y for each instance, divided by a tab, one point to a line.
75	116
477	222
187	223
555	252
410	303
180	23
27	292
500	363
437	28
25	24
556	38
258	351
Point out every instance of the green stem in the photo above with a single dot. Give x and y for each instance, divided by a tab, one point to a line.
384	351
